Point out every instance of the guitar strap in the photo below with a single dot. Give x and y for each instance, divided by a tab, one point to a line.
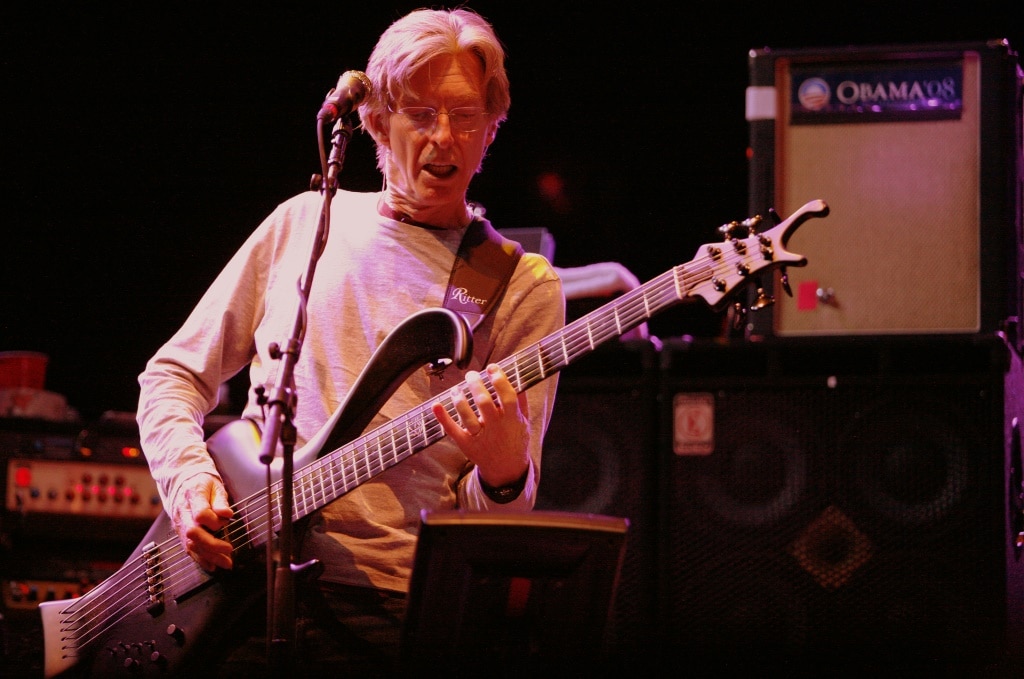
482	269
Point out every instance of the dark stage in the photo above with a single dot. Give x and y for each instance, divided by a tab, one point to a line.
830	487
142	148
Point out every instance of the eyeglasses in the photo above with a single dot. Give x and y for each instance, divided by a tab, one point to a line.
461	119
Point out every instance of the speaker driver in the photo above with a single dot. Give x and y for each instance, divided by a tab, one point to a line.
908	463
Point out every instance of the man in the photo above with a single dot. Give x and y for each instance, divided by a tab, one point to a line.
438	94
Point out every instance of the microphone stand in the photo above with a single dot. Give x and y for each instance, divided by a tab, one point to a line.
281	571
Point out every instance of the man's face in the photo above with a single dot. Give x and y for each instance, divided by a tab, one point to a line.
433	158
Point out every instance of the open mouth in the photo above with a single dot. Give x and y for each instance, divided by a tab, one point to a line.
440	171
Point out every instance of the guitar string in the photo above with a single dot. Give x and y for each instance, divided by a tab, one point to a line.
575	339
349	470
448	405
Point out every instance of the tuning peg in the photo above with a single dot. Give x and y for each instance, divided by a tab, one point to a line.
763	300
728	231
752	223
784	279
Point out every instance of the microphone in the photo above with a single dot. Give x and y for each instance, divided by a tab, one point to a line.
352	88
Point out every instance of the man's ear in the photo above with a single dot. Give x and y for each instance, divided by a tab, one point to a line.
378	129
492	133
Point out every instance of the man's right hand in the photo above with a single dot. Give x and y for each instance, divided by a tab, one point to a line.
201	510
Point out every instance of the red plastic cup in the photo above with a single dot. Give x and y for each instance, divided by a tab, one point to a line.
23	369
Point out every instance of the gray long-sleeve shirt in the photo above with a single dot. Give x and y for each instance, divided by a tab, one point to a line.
373	274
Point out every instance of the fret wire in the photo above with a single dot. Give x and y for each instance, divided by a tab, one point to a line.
346	466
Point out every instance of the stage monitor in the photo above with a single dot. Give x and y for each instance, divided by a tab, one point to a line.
522	592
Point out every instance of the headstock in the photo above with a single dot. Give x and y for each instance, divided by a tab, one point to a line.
720	268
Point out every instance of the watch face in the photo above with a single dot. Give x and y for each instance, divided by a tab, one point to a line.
504	494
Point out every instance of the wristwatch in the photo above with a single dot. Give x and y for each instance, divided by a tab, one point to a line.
504	494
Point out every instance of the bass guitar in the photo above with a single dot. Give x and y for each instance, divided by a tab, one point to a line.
160	613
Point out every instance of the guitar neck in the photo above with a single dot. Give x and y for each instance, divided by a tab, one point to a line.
580	337
339	471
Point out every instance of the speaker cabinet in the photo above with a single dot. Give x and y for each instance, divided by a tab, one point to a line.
839	507
916	149
600	454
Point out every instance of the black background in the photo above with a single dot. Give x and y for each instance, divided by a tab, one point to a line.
142	144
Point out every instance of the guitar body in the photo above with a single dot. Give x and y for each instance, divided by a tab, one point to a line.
161	615
175	636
